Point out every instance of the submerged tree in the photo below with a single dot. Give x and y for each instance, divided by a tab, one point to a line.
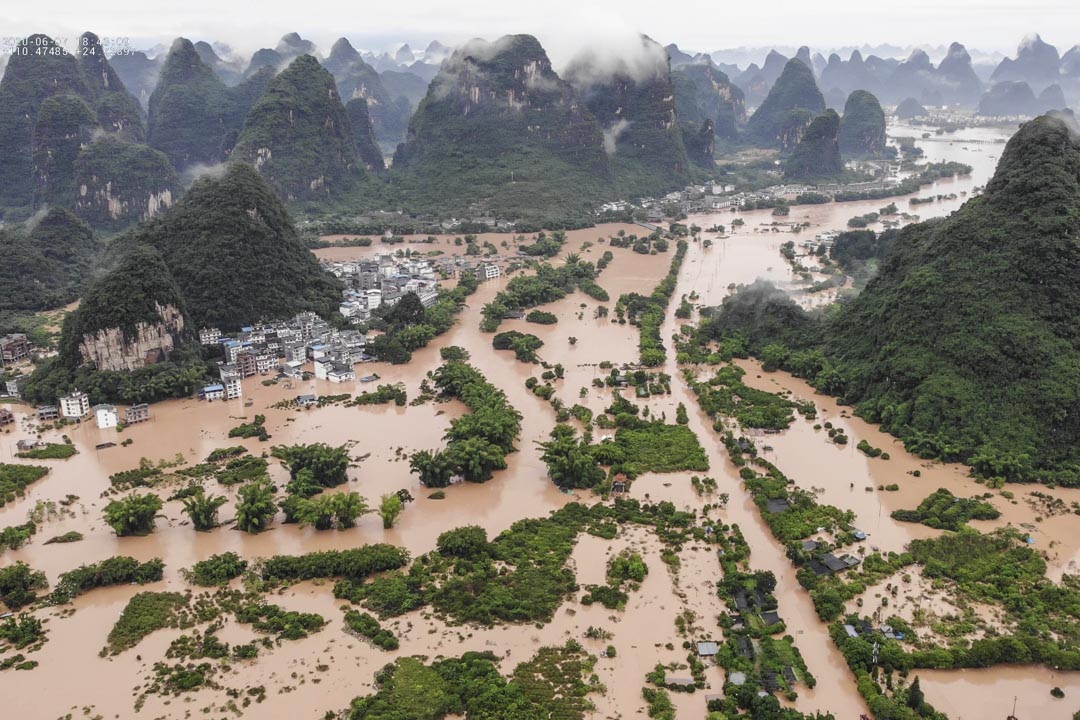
133	515
256	507
389	509
203	510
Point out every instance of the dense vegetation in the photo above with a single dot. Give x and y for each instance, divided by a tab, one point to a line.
550	283
944	511
791	104
15	478
48	266
818	153
636	107
235	253
194	118
703	92
299	136
477	442
862	129
518	142
988	382
120	570
552	684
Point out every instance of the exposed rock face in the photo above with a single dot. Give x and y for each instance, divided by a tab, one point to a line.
862	129
790	106
364	136
298	135
119	183
704	92
633	99
700	144
132	315
113	349
1009	99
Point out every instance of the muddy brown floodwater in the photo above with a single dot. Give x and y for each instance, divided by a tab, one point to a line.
307	677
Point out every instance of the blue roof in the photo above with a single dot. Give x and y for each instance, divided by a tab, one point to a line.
247	328
216	387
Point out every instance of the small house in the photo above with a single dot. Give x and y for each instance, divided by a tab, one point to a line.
215	391
707	649
679	682
777	505
137	414
789	675
737	678
48	412
770	617
6	416
306	401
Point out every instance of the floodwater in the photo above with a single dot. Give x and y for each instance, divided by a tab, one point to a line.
325	671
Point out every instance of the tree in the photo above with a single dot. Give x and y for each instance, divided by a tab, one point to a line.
915	697
133	515
569	461
331	511
327	465
680	415
476	458
256	507
203	510
434	468
18	583
389	510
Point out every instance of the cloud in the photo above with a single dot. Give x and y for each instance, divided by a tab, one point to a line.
200	170
33	220
611	135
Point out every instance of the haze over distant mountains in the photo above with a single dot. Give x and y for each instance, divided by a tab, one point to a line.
486	128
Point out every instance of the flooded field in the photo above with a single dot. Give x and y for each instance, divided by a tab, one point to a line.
307	677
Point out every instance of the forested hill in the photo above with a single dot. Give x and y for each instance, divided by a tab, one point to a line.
500	130
967	343
235	254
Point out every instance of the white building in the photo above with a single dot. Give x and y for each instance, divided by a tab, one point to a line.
323	366
340	372
76	405
210	336
490	272
231	382
374	299
106	416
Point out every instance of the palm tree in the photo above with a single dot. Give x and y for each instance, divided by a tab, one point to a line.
256	507
389	509
203	510
348	506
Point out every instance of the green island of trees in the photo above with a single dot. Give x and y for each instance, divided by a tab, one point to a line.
550	283
477	442
647	312
15	478
944	511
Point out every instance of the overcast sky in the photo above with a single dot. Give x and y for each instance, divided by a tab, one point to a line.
560	24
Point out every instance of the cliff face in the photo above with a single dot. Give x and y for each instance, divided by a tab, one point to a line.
364	135
53	107
633	99
704	92
132	315
792	103
299	137
113	349
119	183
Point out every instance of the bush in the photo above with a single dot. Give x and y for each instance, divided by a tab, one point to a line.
133	515
216	570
